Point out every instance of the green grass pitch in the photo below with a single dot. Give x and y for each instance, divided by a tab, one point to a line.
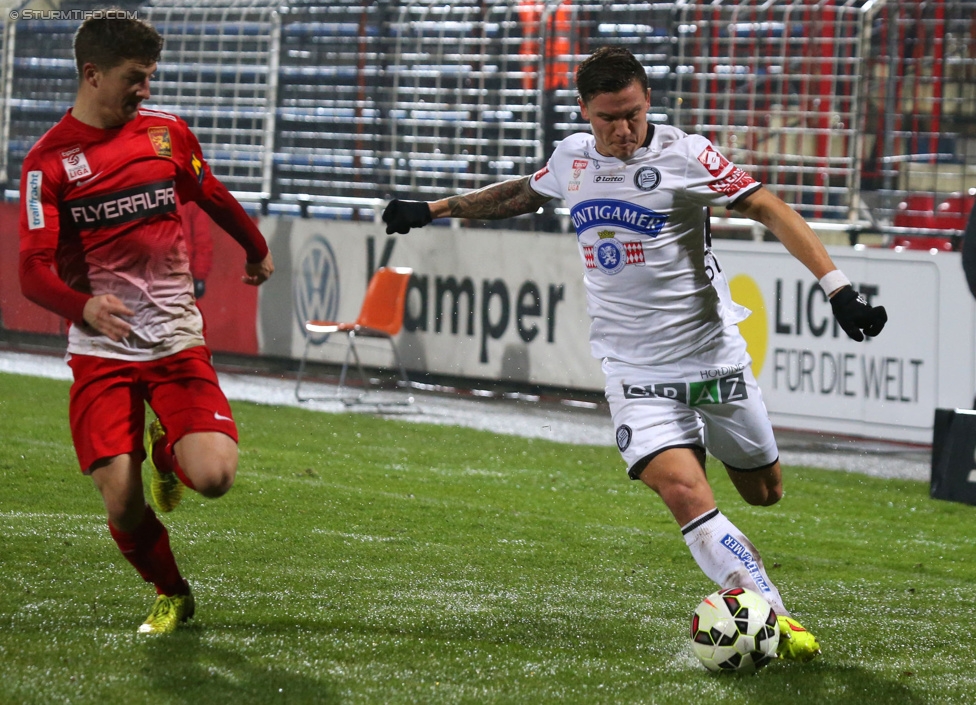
360	560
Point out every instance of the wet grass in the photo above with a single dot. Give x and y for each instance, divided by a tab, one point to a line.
359	560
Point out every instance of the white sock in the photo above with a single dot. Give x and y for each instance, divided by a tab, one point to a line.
727	557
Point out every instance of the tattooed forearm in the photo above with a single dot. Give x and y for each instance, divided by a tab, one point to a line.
501	200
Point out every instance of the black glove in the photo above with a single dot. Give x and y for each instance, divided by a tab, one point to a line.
400	216
855	315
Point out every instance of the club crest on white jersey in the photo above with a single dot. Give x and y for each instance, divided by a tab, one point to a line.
610	255
647	178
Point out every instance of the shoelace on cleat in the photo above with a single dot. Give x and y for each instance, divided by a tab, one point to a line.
163	608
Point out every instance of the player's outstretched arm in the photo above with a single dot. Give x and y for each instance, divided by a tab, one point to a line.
856	316
229	214
505	199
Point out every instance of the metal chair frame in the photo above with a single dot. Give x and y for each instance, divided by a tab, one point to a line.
386	293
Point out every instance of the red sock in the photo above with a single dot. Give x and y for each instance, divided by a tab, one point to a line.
182	475
163	457
165	461
147	548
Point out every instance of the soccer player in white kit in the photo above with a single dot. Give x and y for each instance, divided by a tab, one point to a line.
678	376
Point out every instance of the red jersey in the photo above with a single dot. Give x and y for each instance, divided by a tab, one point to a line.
102	206
199	242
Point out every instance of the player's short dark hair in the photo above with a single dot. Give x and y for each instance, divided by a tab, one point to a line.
608	70
110	37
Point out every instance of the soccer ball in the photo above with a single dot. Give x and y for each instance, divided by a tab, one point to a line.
734	630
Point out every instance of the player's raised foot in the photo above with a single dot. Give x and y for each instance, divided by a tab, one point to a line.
795	642
167	613
165	487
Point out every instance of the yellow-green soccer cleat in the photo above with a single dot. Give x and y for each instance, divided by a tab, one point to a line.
795	642
167	613
165	487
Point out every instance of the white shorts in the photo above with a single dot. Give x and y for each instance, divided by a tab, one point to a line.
708	400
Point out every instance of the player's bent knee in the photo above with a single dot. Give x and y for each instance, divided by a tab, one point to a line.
764	496
216	479
677	493
762	492
761	487
210	463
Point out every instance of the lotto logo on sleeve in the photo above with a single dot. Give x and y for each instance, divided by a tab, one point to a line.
713	161
33	204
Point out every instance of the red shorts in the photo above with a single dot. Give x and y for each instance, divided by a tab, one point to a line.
108	398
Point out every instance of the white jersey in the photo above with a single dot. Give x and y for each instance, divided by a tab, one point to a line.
640	228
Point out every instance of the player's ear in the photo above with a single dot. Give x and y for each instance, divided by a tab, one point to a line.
584	113
91	75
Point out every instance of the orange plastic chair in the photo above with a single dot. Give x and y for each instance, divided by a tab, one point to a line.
381	316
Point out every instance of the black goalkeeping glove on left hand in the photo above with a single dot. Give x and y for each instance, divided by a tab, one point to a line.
400	216
855	314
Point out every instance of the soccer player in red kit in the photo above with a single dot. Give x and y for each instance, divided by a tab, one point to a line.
101	245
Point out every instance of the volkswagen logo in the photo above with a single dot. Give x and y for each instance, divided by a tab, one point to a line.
316	286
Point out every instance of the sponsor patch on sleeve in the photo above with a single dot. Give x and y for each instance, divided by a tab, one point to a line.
197	164
713	161
733	183
75	164
33	204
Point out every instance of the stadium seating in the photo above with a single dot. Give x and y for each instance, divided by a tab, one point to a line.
953	212
919	212
916	211
339	101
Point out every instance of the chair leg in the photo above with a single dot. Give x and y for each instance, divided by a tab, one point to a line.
399	361
342	374
404	380
359	364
